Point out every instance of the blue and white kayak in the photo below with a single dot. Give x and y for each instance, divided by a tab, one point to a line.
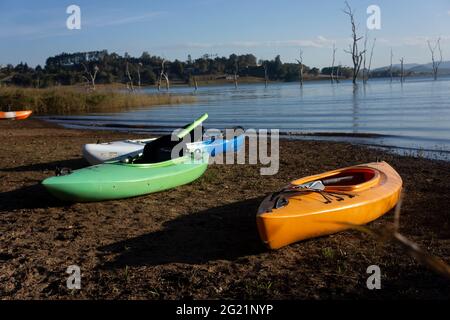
96	153
217	145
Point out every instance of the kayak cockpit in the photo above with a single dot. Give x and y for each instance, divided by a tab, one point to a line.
356	178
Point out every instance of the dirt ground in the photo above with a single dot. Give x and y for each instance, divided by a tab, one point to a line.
200	241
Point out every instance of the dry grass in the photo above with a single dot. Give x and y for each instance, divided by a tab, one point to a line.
66	100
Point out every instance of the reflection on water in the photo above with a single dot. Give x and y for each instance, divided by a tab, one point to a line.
414	115
355	101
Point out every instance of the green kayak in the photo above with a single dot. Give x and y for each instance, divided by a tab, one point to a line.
117	180
153	170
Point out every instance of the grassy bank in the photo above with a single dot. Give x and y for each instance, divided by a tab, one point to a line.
66	100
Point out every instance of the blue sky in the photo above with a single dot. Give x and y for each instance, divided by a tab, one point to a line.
30	31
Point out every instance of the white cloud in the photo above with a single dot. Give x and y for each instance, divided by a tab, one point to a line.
29	30
116	21
411	41
318	42
56	26
416	41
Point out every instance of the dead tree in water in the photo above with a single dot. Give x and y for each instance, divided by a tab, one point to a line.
402	70
139	74
332	63
435	63
370	59
265	74
195	83
390	67
91	75
338	71
130	85
357	56
236	71
164	75
193	80
366	69
158	83
364	58
301	68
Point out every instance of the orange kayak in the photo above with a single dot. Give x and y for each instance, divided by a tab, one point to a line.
327	203
15	115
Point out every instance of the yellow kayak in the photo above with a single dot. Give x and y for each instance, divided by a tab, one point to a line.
327	203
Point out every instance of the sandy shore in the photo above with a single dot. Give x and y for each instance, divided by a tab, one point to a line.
200	240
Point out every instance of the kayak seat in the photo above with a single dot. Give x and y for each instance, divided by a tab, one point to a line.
160	149
349	178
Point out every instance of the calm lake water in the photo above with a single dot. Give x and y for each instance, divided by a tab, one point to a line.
411	118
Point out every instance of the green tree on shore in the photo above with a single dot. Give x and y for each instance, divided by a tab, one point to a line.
70	69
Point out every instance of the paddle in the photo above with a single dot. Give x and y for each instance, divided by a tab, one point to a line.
192	126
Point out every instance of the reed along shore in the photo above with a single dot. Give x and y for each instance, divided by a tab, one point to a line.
77	99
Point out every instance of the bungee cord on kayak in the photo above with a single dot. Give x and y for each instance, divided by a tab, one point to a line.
329	196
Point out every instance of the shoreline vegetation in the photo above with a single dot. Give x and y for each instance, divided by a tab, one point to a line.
70	99
101	67
94	68
76	99
157	241
94	81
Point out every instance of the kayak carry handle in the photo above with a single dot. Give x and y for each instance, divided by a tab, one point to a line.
193	125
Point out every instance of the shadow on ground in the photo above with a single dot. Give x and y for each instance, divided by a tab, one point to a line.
49	166
221	233
29	197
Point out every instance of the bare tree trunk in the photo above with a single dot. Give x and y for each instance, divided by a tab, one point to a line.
435	63
139	74
353	48
130	79
301	68
390	67
88	84
402	70
332	63
364	59
161	75
94	77
370	59
265	74
164	75
236	70
338	72
91	75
